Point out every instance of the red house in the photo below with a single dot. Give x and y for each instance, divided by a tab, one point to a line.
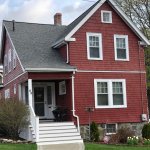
95	62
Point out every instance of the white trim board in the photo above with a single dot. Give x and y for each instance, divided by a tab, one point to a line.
111	71
118	11
49	70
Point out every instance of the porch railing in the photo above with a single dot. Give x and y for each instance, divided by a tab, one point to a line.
34	120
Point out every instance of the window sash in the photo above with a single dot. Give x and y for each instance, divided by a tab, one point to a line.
121	47
94	46
106	16
116	93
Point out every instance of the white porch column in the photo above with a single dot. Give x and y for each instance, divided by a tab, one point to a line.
30	93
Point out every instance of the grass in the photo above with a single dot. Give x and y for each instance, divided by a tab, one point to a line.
112	147
18	147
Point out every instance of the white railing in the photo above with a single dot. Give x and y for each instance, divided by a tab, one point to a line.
34	120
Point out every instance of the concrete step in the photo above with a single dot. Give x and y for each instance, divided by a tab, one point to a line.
58	131
56	128
60	142
56	124
54	139
58	135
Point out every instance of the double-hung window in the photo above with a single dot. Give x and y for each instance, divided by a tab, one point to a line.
94	46
110	93
5	64
9	60
14	59
121	47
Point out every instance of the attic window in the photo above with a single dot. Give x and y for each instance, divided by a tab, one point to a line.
106	16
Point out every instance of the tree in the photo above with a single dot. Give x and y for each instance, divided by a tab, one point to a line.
139	12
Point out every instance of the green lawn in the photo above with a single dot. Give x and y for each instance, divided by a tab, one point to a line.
111	147
18	147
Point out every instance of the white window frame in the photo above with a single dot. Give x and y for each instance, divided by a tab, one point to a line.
62	88
102	18
14	59
116	126
110	93
9	60
5	64
88	34
7	93
127	47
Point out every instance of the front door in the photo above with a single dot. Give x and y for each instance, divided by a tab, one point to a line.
39	101
44	100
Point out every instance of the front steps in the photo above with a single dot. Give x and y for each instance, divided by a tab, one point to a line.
59	136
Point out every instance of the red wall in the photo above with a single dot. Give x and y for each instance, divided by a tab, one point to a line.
16	71
78	49
84	97
84	82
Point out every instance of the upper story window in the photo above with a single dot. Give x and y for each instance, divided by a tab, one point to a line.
94	46
110	93
7	93
14	59
121	47
5	64
9	60
106	16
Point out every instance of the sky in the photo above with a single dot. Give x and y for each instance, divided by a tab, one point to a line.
42	11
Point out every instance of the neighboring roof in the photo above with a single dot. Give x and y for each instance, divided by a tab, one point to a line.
76	24
33	44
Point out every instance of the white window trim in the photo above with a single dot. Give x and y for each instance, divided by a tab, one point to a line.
102	19
110	94
62	83
127	46
100	45
9	60
107	133
5	64
7	93
14	59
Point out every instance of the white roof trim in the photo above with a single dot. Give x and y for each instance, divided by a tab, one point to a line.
122	15
85	19
49	70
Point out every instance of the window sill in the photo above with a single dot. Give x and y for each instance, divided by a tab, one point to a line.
110	107
107	22
110	133
95	59
121	59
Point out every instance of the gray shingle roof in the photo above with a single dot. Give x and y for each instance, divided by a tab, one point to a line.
72	25
33	44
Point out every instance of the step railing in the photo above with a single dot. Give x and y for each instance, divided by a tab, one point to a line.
34	120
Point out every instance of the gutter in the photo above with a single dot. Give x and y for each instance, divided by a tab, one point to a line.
67	61
73	103
49	70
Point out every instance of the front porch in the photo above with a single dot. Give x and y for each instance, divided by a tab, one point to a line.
52	113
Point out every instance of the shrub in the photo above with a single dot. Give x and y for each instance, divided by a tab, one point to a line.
94	132
133	140
13	117
146	131
121	136
146	141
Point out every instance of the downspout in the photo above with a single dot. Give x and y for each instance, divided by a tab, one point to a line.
140	67
67	49
73	103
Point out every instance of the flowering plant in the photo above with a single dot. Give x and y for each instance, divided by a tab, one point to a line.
146	141
133	140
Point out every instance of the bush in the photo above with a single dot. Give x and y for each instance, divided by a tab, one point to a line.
13	117
146	131
121	136
94	132
146	141
133	140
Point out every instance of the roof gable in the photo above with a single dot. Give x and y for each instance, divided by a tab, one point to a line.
77	23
